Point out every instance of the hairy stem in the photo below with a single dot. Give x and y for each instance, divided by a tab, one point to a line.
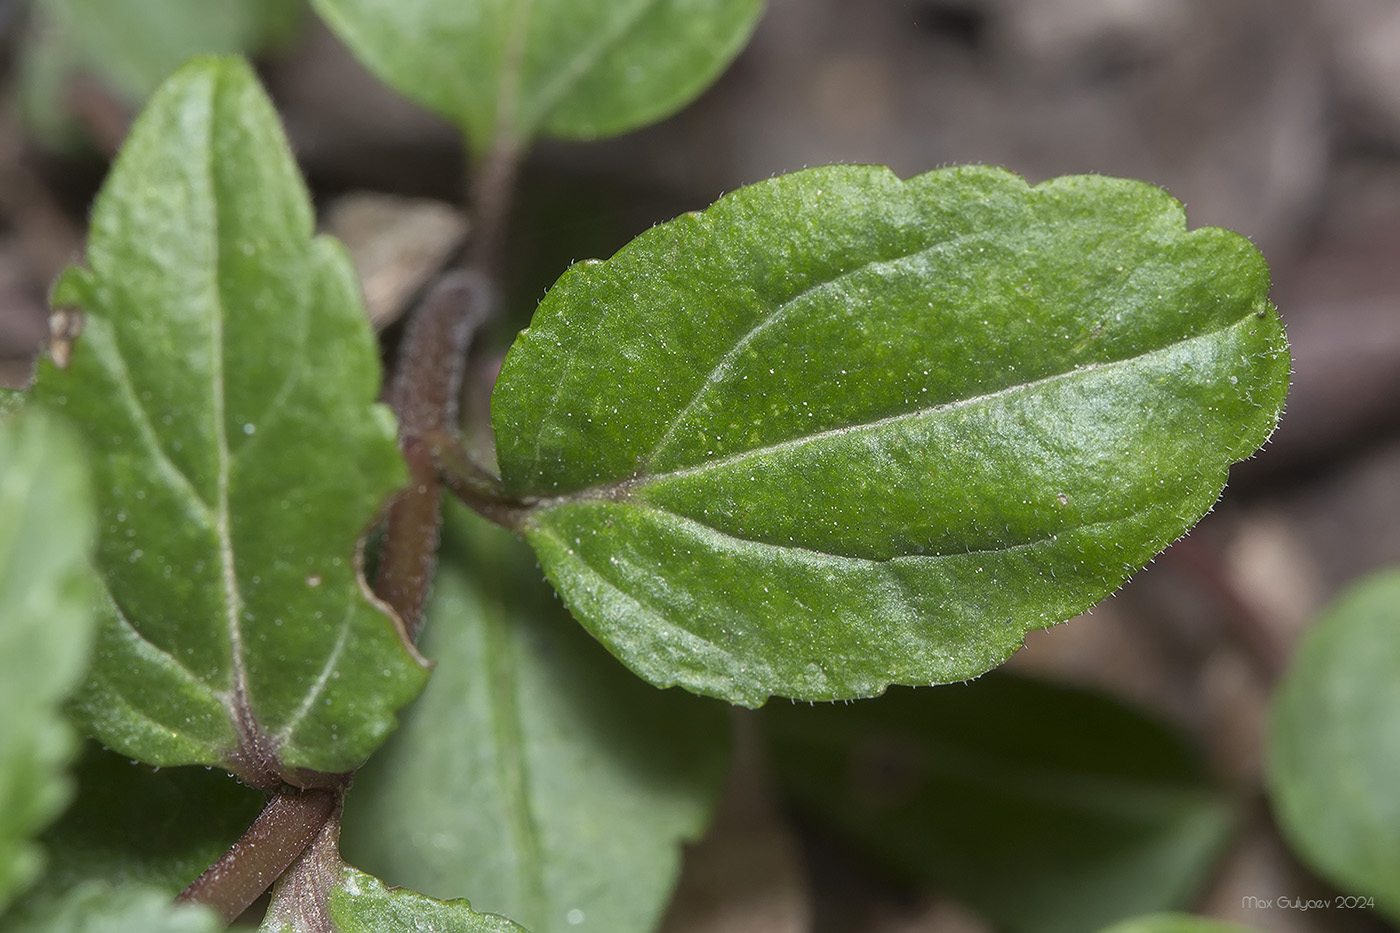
491	190
286	826
301	897
428	383
424	395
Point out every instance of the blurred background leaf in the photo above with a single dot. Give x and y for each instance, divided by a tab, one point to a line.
536	776
1334	744
1044	808
47	526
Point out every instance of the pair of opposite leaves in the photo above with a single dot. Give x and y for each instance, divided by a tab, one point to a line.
837	431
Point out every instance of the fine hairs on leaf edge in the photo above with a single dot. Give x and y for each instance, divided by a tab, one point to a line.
536	371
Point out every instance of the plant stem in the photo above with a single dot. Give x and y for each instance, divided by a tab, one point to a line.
428	382
490	194
301	897
472	483
424	395
286	826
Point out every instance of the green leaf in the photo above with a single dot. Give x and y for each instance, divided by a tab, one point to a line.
225	379
322	893
508	71
840	431
1086	810
130	824
132	45
46	530
362	904
1333	761
1174	923
535	775
102	908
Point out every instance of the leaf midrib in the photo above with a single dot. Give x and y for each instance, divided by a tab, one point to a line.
566	78
1063	787
239	702
508	88
740	341
624	488
512	773
779	313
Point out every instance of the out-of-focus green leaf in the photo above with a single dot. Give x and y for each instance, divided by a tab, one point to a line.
132	45
535	775
840	430
10	400
508	71
1046	809
1334	744
131	824
46	590
101	908
1174	923
225	379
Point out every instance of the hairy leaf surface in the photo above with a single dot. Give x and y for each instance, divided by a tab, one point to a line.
1334	744
225	380
840	431
509	70
1086	810
536	775
46	624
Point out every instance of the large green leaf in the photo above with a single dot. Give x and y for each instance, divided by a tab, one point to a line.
1174	923
46	589
535	775
1334	744
102	908
1046	809
509	70
225	379
840	431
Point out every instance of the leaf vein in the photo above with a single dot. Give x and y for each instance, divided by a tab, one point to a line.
512	764
707	530
558	86
319	686
145	429
642	480
727	361
242	711
149	648
663	617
